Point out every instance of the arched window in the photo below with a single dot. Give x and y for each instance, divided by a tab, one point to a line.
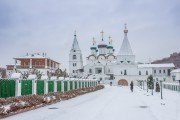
146	72
139	72
90	70
74	57
125	72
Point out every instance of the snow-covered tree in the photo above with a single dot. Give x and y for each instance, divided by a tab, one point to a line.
150	82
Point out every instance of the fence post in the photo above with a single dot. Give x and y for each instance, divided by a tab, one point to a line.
73	84
62	85
55	85
34	86
18	87
45	86
68	85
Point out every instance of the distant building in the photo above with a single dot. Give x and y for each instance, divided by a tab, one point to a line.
33	61
121	69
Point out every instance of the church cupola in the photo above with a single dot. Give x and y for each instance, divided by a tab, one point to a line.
110	48
102	46
94	48
126	55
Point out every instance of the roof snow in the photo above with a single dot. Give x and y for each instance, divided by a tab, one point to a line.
75	45
155	65
125	47
36	55
176	71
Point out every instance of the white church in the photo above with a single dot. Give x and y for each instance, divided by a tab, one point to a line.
119	69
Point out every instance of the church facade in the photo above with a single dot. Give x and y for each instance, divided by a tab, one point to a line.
121	69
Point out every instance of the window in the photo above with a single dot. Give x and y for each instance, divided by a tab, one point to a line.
125	73
74	64
169	72
160	71
90	70
146	72
74	50
139	72
108	70
74	57
154	71
164	71
73	71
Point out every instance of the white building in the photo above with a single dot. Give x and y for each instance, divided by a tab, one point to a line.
121	69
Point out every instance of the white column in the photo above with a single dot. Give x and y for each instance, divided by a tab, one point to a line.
46	63
68	85
30	65
73	84
62	85
55	85
77	84
34	87
18	88
45	86
15	64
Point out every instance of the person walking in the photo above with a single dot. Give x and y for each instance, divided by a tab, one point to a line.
131	86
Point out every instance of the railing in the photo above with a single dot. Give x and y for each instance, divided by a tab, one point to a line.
172	86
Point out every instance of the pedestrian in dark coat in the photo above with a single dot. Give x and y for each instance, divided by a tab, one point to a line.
131	86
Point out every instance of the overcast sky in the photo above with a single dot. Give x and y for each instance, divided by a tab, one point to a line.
37	26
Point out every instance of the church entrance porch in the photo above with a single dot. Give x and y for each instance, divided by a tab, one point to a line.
123	82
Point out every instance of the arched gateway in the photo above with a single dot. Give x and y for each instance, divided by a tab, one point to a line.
123	82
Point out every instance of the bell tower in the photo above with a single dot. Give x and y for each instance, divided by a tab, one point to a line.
75	59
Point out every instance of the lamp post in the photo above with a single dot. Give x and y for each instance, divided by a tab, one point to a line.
147	85
152	86
161	89
164	79
143	84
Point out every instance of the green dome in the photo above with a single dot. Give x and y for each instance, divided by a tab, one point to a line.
108	47
93	48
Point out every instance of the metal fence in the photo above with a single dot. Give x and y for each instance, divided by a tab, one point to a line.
173	87
12	87
7	88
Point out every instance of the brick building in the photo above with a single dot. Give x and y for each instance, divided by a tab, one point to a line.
33	61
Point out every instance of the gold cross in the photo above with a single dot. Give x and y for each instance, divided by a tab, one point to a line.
75	32
94	40
102	34
125	26
109	38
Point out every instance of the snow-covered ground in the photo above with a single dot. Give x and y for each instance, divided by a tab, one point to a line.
111	103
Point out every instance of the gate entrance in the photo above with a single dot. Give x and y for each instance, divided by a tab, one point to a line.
123	82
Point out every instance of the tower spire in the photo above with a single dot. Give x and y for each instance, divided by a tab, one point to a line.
94	41
75	33
102	34
75	45
109	39
125	47
125	28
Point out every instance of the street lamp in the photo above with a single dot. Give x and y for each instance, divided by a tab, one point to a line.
152	86
164	78
161	88
147	84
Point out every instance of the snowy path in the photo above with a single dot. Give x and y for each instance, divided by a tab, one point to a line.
111	103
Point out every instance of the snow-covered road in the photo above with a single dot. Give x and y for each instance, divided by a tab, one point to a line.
111	103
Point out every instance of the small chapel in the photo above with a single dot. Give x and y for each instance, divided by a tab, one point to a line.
120	69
